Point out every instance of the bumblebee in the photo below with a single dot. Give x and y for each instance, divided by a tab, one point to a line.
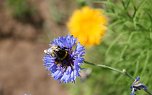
57	52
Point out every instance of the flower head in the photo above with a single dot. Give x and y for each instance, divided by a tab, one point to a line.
88	25
136	85
63	58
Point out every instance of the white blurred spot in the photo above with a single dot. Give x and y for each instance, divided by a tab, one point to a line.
27	94
85	74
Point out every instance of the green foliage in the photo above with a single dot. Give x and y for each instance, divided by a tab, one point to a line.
20	8
127	45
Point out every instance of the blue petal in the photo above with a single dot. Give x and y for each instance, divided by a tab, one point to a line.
57	74
68	73
137	78
53	68
79	48
71	41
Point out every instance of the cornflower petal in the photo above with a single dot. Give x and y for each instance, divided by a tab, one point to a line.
63	58
137	85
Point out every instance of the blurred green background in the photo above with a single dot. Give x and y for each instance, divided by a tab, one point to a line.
127	45
26	27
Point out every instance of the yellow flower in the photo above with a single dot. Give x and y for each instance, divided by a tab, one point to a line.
88	25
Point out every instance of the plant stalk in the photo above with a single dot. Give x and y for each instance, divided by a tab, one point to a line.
124	72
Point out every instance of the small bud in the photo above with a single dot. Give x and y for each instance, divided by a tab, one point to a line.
124	70
137	85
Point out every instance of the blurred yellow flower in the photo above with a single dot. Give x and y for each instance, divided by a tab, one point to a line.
88	25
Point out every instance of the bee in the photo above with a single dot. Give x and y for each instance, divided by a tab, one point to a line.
57	52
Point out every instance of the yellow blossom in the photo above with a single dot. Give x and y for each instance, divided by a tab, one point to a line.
88	25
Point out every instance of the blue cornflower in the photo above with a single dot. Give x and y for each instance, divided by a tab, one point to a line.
63	58
136	85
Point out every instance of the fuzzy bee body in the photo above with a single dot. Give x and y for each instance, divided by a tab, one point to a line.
57	52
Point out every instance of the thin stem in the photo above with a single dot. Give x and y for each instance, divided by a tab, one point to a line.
124	72
148	92
126	45
115	40
105	66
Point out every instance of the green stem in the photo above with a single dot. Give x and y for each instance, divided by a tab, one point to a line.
148	92
124	72
114	41
126	45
